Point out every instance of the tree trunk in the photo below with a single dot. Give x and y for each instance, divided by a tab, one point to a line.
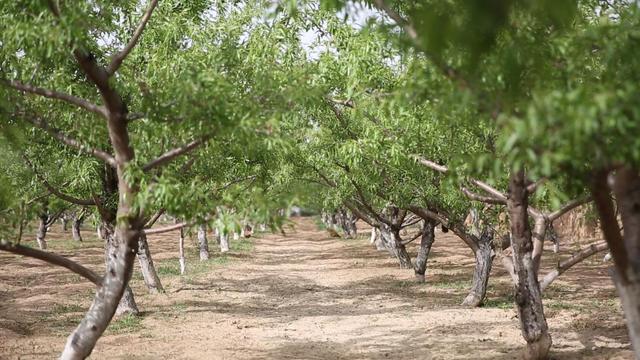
181	259
484	260
527	290
624	246
76	223
203	243
42	230
426	241
65	223
149	273
393	243
127	304
224	241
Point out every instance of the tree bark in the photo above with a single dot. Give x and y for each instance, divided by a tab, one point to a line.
484	260
149	273
127	304
203	243
393	243
625	246
426	241
527	290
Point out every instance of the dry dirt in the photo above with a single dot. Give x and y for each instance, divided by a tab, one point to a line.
304	296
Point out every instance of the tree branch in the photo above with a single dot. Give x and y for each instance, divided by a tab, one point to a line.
67	140
485	199
573	260
52	258
87	105
568	207
173	153
56	192
119	57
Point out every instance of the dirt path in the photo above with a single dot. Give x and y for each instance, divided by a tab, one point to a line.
305	296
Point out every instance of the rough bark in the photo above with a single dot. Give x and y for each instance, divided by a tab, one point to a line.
149	273
203	243
393	243
528	297
426	241
484	260
127	304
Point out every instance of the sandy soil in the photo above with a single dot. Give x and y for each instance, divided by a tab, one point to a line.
304	296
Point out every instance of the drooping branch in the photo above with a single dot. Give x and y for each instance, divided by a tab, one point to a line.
51	94
173	153
119	57
67	140
52	258
573	260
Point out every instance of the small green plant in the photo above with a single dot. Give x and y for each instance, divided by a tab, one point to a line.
126	324
455	284
169	268
500	303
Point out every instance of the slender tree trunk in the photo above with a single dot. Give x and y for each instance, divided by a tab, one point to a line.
203	243
181	259
76	224
426	241
65	223
75	230
528	297
149	273
393	243
624	246
484	260
224	241
42	230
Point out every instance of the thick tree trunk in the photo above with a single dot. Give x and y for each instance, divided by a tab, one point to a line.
127	304
484	260
149	273
181	258
393	243
528	297
203	243
625	246
224	241
426	241
42	230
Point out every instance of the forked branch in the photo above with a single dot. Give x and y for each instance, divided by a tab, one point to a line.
119	57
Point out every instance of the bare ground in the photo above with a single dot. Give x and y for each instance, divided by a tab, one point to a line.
303	296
